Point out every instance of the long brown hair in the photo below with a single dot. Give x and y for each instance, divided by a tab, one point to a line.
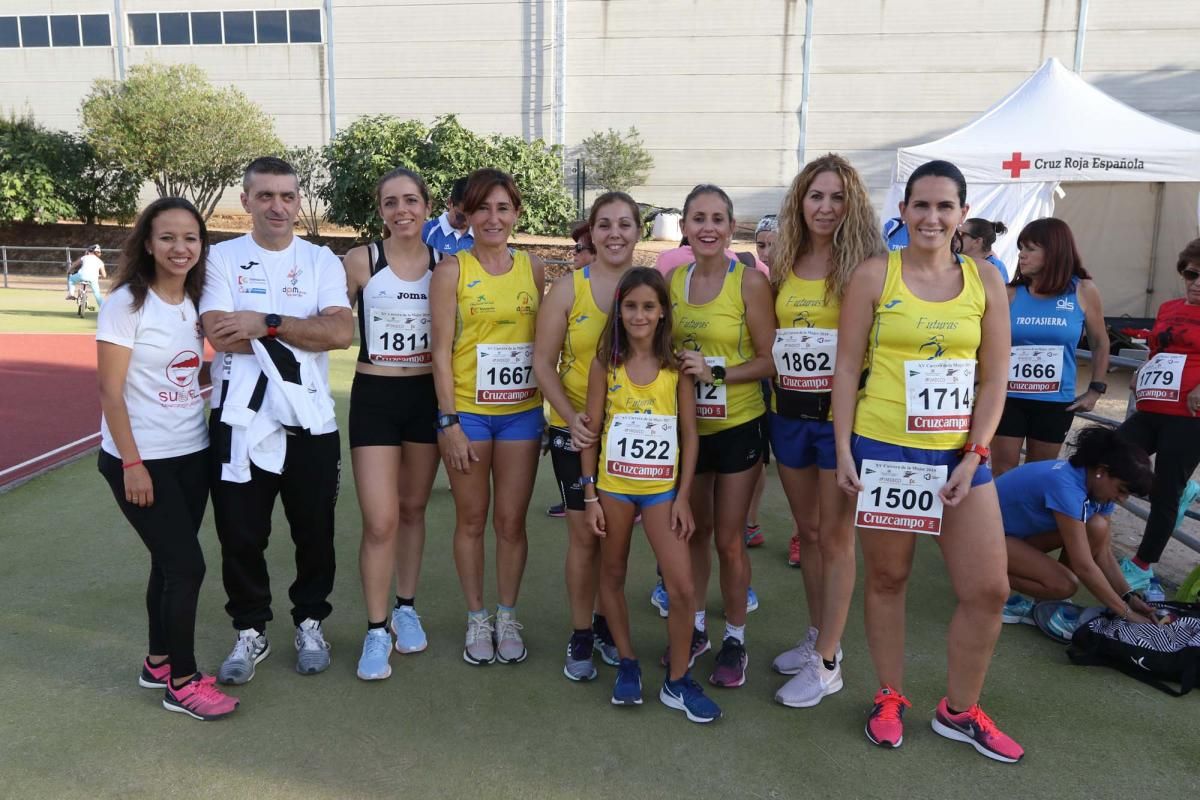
136	268
856	239
614	342
1060	257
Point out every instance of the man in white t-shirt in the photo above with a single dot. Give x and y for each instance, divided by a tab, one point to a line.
89	269
271	285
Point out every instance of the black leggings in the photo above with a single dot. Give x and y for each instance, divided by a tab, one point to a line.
1176	441
169	528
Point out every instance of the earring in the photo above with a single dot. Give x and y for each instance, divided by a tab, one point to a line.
1097	475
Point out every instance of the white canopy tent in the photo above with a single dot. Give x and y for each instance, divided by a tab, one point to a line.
1109	164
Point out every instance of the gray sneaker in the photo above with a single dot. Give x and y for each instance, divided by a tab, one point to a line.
312	651
251	647
479	648
510	648
579	665
790	662
810	684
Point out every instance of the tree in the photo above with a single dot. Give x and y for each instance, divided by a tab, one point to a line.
441	153
170	126
28	190
312	176
94	188
615	161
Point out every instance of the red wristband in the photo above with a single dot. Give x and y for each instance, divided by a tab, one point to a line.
131	464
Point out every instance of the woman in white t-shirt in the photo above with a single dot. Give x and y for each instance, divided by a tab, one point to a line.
154	442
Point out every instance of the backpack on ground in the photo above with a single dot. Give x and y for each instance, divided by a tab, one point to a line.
1156	655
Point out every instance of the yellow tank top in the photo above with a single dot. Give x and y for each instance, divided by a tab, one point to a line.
639	447
801	303
908	337
493	340
585	324
718	330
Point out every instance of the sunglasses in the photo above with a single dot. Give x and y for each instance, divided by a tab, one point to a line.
580	248
1190	275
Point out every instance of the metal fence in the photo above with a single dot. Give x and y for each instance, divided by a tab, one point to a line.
18	255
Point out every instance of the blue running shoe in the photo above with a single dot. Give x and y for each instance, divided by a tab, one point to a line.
659	599
603	641
751	600
1057	619
627	690
410	636
579	665
1137	578
373	665
1155	592
1018	609
686	695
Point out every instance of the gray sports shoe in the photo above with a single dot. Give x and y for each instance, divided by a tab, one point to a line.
251	647
810	684
790	662
312	651
579	665
479	648
510	648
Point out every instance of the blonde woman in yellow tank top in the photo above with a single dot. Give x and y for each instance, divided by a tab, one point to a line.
934	331
484	304
570	323
724	327
827	228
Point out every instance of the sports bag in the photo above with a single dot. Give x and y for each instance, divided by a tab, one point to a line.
1156	655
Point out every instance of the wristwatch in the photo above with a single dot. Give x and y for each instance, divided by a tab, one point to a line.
1098	387
446	420
718	373
273	322
584	480
979	450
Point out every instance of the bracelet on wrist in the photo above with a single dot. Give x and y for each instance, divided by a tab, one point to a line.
591	499
131	464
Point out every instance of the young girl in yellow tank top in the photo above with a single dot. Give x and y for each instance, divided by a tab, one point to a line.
642	415
912	449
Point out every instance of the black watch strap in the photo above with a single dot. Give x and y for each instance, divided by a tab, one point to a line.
1098	387
446	420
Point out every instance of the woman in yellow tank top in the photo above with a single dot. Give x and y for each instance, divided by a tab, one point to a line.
827	228
484	303
912	448
641	414
723	329
570	323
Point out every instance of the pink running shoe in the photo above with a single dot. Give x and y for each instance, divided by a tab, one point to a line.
794	551
199	699
885	724
977	729
153	677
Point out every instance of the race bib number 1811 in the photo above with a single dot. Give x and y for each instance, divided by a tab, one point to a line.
900	497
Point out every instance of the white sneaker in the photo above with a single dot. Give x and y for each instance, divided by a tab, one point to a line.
810	684
790	662
510	647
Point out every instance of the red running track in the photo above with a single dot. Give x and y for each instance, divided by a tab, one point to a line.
48	400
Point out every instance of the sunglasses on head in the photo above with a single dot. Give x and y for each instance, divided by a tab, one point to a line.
1190	275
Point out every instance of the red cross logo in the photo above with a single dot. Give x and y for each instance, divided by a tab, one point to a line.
1015	164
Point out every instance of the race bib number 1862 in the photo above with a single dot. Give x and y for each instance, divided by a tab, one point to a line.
900	497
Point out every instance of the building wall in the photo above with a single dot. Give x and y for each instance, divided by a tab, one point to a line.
714	86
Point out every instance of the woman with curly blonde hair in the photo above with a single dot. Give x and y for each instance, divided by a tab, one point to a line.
827	227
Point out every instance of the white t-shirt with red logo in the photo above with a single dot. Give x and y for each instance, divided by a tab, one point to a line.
162	386
301	280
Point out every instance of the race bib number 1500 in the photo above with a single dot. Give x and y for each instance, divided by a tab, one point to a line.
900	497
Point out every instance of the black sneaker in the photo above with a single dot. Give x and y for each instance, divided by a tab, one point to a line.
700	646
730	671
604	641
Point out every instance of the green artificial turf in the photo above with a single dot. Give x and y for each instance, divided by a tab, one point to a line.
42	311
75	724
